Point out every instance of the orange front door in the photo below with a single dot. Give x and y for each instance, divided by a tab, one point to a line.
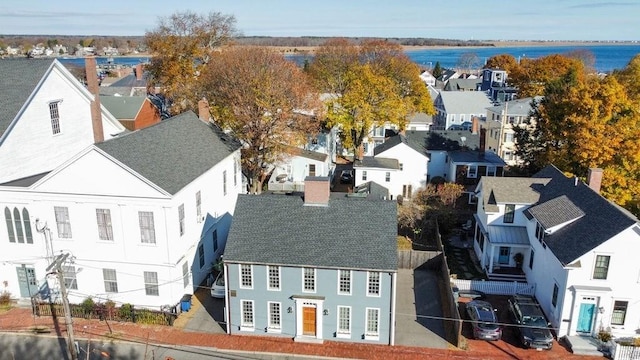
309	321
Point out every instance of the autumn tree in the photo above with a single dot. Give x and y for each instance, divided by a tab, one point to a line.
504	62
531	77
181	46
372	84
266	101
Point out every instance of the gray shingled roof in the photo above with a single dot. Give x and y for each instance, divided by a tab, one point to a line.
313	155
555	212
473	156
510	190
351	233
465	102
18	80
174	152
423	141
131	81
377	162
518	107
462	84
123	107
602	219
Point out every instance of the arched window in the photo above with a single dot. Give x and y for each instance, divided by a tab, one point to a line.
9	221
27	226
16	220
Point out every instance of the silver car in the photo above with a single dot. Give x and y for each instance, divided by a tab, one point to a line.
483	320
217	288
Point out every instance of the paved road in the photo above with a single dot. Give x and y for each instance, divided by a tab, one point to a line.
418	301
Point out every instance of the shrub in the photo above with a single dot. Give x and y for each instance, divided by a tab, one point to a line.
5	298
604	336
126	312
88	305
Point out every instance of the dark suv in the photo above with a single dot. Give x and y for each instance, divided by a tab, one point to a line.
532	325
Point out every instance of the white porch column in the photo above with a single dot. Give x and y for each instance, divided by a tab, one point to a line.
491	259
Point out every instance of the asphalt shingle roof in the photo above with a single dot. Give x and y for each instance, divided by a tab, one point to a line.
555	212
377	162
174	152
354	233
313	155
123	107
18	80
434	140
465	102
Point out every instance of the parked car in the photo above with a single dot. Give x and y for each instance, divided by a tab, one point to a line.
533	327
346	177
217	287
483	320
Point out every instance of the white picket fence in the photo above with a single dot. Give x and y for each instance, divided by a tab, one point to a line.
622	352
496	287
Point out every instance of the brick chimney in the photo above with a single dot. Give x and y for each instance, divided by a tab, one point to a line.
91	73
474	125
594	179
483	141
139	72
203	110
316	191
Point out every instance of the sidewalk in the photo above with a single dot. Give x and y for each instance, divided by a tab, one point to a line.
22	320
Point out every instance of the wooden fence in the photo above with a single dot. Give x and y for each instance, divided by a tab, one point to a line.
125	313
496	287
622	352
412	259
452	328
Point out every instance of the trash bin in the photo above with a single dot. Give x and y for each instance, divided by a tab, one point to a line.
185	303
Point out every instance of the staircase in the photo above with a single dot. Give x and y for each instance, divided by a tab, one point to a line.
507	277
583	345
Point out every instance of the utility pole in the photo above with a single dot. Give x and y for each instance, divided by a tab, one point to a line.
57	264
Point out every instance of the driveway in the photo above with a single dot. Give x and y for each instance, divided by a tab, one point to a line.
206	314
419	310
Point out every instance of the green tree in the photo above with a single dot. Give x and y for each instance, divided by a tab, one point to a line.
437	70
266	101
181	46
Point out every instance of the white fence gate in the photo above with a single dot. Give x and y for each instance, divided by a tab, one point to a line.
626	352
496	287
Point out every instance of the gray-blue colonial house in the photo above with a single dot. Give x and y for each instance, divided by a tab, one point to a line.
313	267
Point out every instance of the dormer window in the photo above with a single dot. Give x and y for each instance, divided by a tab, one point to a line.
509	213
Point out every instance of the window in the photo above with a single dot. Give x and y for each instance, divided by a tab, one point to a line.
531	259
69	274
215	240
247	315
201	255
18	227
373	284
224	182
246	276
407	190
198	206
508	137
539	232
491	171
63	222
344	282
312	170
147	228
401	167
364	175
619	312
54	113
181	218
344	320
509	212
185	274
235	173
472	171
602	267
105	232
274	277
387	176
309	280
151	283
554	296
110	280
372	323
274	315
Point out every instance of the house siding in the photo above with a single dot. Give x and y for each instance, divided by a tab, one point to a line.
414	168
326	293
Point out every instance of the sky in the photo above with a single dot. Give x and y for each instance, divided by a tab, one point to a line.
453	19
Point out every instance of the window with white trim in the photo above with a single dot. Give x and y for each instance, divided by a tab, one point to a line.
619	312
509	213
247	314
185	274
401	166
105	231
472	171
344	282
373	283
274	277
199	206
344	320
110	280
54	115
236	165
274	316
63	222
407	191
312	169
309	279
372	323
224	182
531	259
151	283
601	268
181	218
246	276
147	227
18	226
364	175
491	170
69	274
387	176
